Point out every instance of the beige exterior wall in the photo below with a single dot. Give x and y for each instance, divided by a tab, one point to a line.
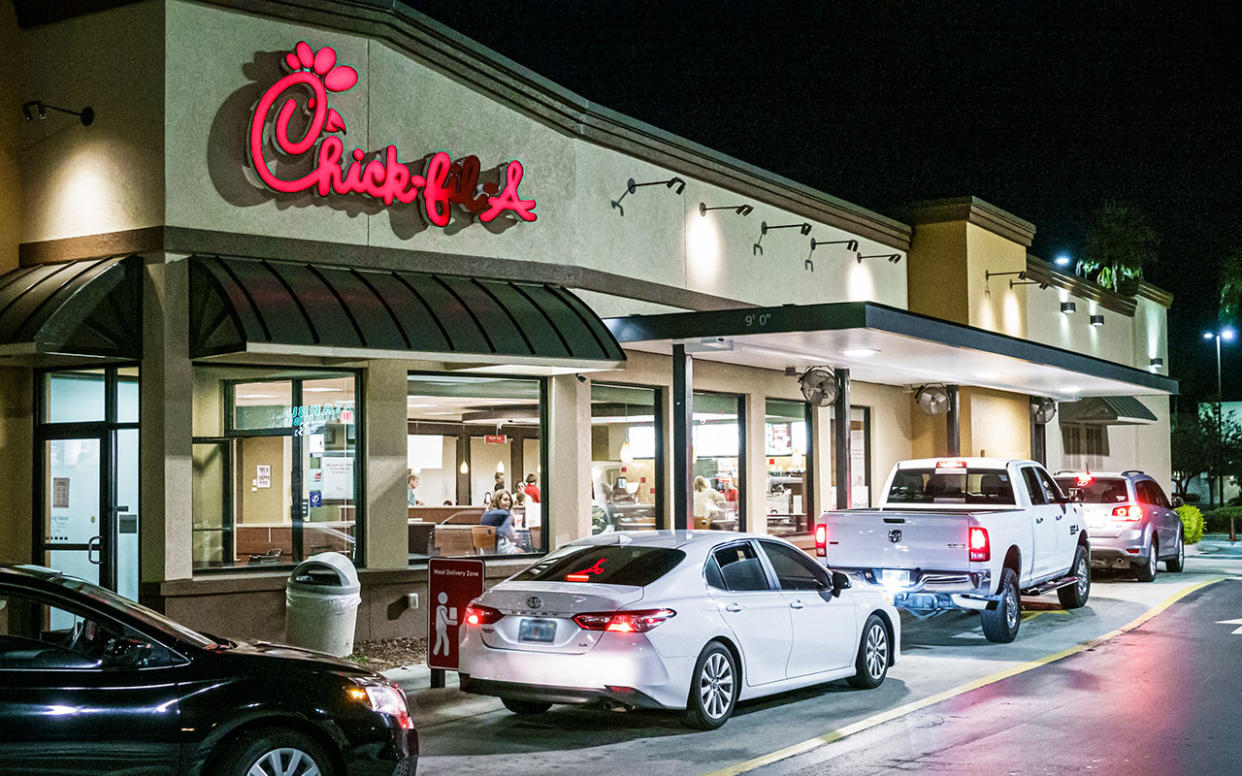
1144	447
994	305
937	273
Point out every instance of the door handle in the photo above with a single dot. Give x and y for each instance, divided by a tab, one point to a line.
1060	516
1039	520
92	546
733	607
796	604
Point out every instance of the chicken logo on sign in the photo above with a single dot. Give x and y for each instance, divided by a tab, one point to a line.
313	76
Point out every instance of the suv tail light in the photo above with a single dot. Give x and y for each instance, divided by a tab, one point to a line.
1128	514
980	547
821	540
482	615
638	621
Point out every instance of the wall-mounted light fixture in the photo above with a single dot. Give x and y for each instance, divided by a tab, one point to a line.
1155	364
741	210
632	187
1069	308
893	258
1097	320
850	245
1022	281
803	227
39	109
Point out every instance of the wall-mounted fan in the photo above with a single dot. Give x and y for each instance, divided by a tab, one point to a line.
819	386
1043	409
932	399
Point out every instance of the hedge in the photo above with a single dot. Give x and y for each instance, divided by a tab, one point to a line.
1217	520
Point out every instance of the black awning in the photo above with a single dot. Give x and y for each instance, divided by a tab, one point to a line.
251	305
1106	410
91	307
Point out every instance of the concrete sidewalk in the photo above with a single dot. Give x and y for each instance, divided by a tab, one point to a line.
1216	546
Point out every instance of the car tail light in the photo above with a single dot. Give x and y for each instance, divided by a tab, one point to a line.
821	540
482	615
950	464
980	547
638	621
1128	514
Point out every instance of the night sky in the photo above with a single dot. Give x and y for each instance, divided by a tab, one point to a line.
1044	109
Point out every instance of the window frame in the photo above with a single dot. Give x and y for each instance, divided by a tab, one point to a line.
743	451
819	573
773	585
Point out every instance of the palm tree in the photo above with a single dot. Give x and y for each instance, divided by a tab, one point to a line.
1231	288
1120	243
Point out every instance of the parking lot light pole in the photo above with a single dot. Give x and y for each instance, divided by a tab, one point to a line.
1227	335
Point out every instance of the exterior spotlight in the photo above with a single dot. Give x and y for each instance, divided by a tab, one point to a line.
741	210
1062	260
891	257
40	109
803	227
850	245
1226	334
1069	308
631	187
1097	320
1156	363
1208	335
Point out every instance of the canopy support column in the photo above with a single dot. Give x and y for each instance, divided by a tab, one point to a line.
953	423
841	439
683	435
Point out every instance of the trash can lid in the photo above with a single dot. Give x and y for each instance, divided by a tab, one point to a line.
327	569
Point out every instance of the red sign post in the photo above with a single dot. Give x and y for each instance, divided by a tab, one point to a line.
451	586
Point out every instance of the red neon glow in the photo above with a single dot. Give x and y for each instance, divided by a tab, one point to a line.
379	175
980	546
585	574
1130	514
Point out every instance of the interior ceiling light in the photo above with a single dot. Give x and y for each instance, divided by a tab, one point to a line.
319	389
859	352
741	210
464	468
1069	308
1097	320
632	187
38	108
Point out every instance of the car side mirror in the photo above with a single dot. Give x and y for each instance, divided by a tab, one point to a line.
840	581
1177	502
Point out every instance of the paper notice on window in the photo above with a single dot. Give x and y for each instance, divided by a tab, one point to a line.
263	476
338	478
60	492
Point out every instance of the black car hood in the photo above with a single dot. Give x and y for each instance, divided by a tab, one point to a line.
265	650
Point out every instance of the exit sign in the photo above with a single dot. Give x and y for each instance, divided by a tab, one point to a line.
495	439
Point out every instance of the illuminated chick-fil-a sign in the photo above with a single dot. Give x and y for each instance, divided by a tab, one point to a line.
442	184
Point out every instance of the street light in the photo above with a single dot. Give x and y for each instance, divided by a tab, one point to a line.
1227	334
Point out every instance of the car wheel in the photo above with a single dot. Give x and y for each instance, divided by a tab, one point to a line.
1177	564
1076	595
713	688
1146	572
275	752
874	652
1000	625
525	708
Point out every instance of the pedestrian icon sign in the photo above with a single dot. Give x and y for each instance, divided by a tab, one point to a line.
452	585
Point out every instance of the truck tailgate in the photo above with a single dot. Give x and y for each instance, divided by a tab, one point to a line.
927	540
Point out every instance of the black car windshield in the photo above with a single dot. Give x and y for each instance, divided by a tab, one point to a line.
148	617
989	487
1097	490
608	564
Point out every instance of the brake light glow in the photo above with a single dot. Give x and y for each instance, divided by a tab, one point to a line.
950	464
1083	480
980	547
482	615
821	540
1128	514
637	621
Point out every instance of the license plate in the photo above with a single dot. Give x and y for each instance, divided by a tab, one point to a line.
543	631
895	576
1096	522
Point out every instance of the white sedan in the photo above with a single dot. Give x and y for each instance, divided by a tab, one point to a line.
693	620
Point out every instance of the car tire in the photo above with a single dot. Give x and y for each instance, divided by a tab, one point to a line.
1000	625
274	752
1075	595
875	650
1176	564
1146	571
525	708
714	687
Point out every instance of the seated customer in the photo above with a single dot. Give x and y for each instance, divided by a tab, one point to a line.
500	517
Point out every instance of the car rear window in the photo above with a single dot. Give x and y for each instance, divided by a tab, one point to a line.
607	564
966	486
1100	490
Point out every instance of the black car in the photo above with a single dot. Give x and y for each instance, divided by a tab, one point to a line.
91	683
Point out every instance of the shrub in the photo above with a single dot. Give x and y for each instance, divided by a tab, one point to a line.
1217	521
1191	498
1192	523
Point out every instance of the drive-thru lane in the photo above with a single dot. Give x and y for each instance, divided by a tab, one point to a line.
1158	699
468	735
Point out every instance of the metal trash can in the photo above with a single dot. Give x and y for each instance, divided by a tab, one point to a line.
321	604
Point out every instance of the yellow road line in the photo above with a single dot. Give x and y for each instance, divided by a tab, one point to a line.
931	700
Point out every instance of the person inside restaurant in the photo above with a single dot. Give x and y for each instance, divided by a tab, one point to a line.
501	517
708	503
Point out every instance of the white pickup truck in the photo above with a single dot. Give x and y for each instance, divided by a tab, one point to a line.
965	533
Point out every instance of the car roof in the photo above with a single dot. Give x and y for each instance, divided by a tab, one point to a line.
974	462
27	571
677	539
1126	475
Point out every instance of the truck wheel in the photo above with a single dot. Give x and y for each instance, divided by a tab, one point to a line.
1000	625
525	708
1076	594
873	655
1177	564
1146	572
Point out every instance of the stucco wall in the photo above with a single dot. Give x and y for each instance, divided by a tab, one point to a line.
10	140
1144	447
1114	341
994	305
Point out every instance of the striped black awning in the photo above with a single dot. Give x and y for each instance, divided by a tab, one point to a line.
258	306
1107	410
91	307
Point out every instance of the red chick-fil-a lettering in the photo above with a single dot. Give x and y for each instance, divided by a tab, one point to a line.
381	175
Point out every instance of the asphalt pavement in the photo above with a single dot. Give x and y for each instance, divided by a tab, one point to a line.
944	658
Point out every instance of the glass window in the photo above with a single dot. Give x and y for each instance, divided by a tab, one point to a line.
740	568
1096	490
718	449
127	395
1052	492
860	458
74	396
937	486
274	457
794	570
625	463
608	565
36	635
1033	486
787	446
475	483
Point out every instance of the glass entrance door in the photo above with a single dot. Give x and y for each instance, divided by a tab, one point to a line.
73	506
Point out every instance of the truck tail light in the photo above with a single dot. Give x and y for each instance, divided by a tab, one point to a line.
482	615
980	547
1128	514
638	621
821	540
